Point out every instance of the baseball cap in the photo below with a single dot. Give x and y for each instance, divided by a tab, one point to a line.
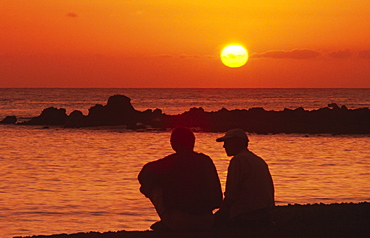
234	133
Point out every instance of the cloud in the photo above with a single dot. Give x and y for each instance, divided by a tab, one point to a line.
292	54
187	56
138	12
71	14
340	54
364	54
166	56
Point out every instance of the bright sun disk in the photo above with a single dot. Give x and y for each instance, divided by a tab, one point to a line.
234	56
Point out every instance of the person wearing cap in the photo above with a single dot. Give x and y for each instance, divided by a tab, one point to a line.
184	187
249	193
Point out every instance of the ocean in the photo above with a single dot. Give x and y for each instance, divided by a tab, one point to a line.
59	180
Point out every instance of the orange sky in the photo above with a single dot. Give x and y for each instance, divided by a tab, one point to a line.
176	43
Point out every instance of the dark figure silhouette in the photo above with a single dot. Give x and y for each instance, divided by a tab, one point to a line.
184	187
249	195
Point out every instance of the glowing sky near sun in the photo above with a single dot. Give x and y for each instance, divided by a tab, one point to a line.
177	43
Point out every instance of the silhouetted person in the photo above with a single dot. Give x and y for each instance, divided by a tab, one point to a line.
249	194
184	187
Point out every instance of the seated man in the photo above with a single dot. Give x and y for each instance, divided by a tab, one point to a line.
184	187
249	195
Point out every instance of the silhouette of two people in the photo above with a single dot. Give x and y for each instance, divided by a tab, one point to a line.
185	189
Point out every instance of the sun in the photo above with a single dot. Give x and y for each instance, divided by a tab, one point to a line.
234	56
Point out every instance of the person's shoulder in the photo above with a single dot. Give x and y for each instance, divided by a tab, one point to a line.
253	155
255	158
242	157
159	162
202	156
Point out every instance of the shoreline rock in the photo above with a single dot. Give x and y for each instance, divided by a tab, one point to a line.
316	220
119	111
9	120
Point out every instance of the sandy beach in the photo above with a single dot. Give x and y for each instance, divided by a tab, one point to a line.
310	220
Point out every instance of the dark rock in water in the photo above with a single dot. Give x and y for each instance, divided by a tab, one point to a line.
257	120
195	117
49	116
333	105
316	220
119	111
9	120
120	103
75	119
299	109
154	119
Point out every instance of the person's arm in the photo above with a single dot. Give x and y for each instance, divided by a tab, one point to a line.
232	186
215	186
147	179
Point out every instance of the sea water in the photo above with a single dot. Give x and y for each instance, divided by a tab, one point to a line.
60	180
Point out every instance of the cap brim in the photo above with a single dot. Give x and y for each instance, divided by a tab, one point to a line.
221	139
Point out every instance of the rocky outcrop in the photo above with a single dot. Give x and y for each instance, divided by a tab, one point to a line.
119	111
49	116
75	119
257	120
9	120
309	220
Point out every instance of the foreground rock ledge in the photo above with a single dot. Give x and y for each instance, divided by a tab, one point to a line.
317	220
119	112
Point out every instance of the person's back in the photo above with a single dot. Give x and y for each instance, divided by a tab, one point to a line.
255	189
192	185
189	182
184	187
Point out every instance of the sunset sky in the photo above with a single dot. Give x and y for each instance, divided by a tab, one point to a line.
176	43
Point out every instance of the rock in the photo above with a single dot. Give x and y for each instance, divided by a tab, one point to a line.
49	116
194	118
119	111
333	105
120	103
97	116
316	220
299	109
9	120
75	119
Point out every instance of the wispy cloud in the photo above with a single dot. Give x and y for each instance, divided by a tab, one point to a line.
137	13
188	56
71	14
364	54
292	54
340	54
300	54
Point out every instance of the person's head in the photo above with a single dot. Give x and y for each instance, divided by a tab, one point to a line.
235	140
182	139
